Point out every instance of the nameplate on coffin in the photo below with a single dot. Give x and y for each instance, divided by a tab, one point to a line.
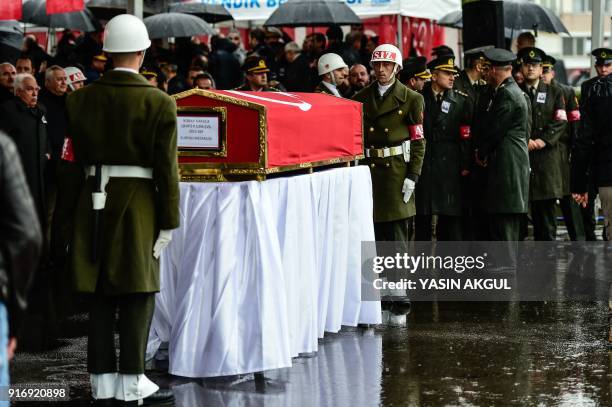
201	131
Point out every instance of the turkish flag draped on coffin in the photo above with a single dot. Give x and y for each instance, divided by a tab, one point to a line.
10	10
64	6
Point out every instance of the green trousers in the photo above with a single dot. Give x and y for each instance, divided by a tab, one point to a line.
572	218
135	312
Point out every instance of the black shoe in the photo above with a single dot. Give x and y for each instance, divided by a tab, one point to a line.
162	397
396	305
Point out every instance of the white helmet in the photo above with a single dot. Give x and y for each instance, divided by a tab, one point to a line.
330	62
74	75
125	33
387	52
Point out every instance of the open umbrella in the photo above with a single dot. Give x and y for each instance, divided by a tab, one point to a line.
454	19
11	39
212	13
107	9
35	12
166	25
518	15
301	13
522	14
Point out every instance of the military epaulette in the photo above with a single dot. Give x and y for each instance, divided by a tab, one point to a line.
462	93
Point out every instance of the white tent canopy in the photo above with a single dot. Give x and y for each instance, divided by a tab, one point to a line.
244	10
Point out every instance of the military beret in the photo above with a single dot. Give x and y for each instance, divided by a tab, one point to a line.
414	67
442	50
548	62
499	56
443	63
603	56
255	64
531	55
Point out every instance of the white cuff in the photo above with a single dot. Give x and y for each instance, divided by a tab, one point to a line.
103	385
132	387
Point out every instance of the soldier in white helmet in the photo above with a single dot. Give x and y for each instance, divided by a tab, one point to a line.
394	150
123	135
333	72
74	78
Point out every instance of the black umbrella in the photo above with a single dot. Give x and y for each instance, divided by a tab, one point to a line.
107	9
11	34
166	25
301	13
11	40
522	14
518	15
454	19
212	13
35	12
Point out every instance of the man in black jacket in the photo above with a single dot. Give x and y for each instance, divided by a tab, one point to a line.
7	77
20	242
23	119
593	148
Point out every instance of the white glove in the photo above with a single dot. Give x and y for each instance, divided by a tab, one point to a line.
408	189
165	236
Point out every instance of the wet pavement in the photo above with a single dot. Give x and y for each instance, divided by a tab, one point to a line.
442	354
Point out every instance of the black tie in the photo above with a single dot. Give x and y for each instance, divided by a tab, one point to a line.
532	92
439	99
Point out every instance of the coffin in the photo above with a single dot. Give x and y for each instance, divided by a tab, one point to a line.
236	135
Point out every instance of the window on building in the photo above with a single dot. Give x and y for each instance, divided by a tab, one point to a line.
568	46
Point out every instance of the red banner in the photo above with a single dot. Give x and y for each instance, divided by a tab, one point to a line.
10	10
64	6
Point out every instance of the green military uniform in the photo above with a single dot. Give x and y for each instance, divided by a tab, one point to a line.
549	125
570	209
464	84
502	142
121	119
479	226
388	122
440	190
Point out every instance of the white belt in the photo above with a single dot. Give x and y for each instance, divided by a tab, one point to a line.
121	171
403	148
115	171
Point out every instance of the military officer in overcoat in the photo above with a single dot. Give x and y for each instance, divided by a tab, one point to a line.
256	75
122	133
471	78
502	150
549	124
570	209
603	67
394	144
448	117
333	72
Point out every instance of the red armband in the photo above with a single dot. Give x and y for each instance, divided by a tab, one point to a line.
67	152
416	132
464	132
560	115
574	116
